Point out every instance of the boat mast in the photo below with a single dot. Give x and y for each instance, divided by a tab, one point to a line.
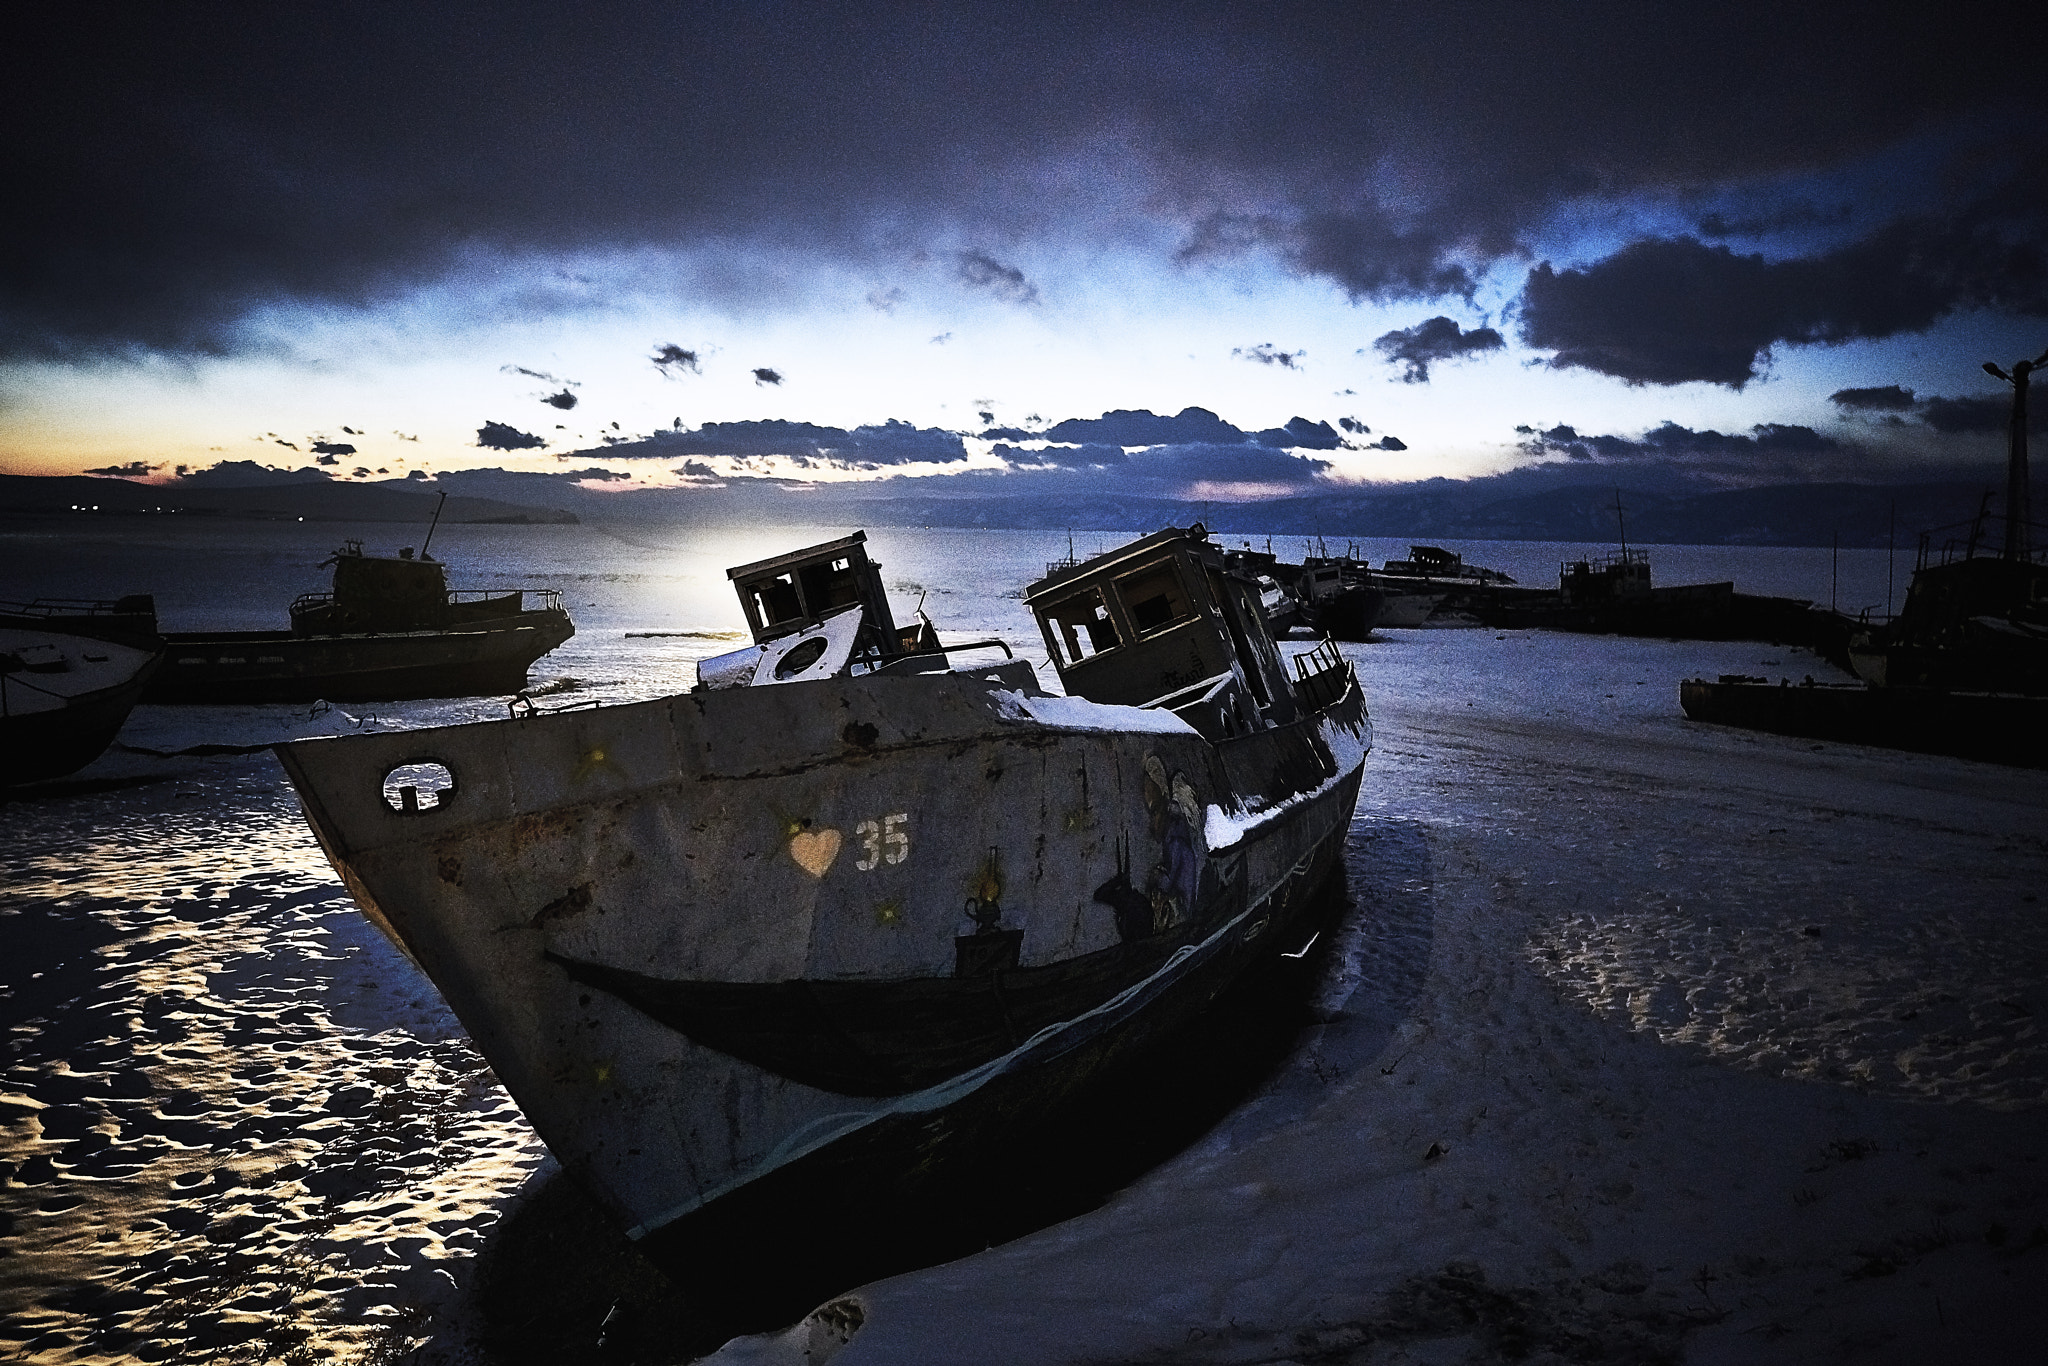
431	525
2016	518
1622	523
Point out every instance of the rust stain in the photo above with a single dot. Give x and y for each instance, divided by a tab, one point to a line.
542	826
574	902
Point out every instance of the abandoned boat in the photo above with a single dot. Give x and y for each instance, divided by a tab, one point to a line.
389	628
1433	565
1962	670
1335	594
129	621
1997	728
63	698
1975	617
809	941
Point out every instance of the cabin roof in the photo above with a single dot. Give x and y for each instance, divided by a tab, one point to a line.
796	558
1068	575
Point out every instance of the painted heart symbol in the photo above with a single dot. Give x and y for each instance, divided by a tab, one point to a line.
814	850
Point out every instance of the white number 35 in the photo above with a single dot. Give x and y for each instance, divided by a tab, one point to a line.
884	841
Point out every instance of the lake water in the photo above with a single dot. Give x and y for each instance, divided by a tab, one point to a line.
236	1125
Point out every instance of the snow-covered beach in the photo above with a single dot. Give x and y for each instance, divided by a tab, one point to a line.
1641	1041
1650	1041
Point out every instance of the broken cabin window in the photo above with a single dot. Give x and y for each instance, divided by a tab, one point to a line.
827	586
1081	626
1155	597
776	600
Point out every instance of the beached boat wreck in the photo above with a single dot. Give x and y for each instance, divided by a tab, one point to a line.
63	698
389	628
811	940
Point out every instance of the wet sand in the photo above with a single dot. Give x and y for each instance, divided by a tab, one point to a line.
1641	1041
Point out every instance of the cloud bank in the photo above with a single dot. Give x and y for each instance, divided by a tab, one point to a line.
175	169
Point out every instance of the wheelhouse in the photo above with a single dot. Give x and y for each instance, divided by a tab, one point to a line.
1165	622
795	592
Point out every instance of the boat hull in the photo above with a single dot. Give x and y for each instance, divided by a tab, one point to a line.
940	834
46	735
1347	613
961	1170
2000	728
278	666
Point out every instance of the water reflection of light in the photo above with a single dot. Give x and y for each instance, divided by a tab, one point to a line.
239	1088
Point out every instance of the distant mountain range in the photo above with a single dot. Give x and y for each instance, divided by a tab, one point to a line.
1444	510
1495	509
311	501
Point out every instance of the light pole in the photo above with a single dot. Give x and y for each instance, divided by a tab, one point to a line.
2016	516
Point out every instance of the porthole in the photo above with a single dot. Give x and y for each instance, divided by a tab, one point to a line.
800	657
419	785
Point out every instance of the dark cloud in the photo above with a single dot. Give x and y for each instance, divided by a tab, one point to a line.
1265	353
497	436
598	474
1233	464
1888	398
672	360
351	431
869	447
1674	310
1140	427
134	469
764	375
1353	426
1163	470
327	460
1771	450
540	375
1785	218
333	447
175	173
248	474
1387	443
1363	249
885	300
1070	457
1979	413
983	271
1431	340
563	400
1302	434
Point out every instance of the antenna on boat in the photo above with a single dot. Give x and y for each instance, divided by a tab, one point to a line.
436	522
1622	522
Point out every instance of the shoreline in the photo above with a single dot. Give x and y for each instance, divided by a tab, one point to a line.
1581	1079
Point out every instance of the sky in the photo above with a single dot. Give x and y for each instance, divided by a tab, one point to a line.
1229	252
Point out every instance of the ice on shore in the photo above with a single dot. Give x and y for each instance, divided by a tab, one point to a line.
1647	1041
1644	1041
